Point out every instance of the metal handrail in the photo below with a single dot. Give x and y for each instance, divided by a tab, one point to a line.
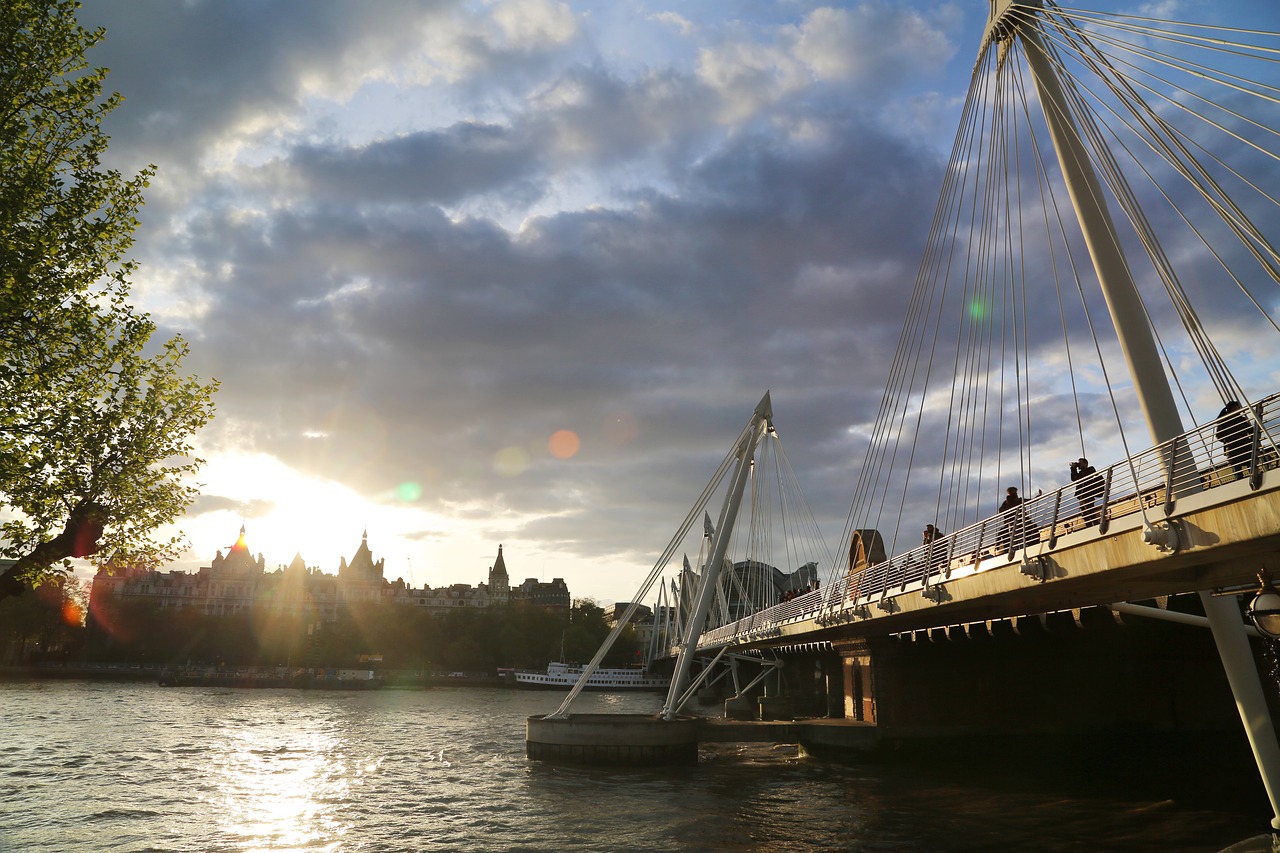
1249	439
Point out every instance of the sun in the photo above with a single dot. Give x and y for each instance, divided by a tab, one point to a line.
285	513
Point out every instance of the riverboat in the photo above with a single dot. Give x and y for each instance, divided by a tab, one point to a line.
562	676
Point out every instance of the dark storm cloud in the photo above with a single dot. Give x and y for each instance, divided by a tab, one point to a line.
441	167
194	73
191	70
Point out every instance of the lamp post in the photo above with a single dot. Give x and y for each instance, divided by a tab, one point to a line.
1264	610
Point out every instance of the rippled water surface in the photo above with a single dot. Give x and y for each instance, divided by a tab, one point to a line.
87	766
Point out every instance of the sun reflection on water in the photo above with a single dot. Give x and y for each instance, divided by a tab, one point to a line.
276	787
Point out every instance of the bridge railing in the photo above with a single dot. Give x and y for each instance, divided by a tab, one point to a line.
1238	445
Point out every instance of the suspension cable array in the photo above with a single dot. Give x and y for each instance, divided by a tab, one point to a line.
1005	367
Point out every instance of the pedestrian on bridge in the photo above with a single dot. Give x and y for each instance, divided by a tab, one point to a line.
1011	499
1014	530
931	534
1088	490
1236	437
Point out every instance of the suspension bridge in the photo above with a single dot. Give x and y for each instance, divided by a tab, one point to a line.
1099	283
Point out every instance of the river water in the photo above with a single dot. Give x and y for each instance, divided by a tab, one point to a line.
93	766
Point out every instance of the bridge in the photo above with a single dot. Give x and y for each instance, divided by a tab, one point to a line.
1101	270
1212	526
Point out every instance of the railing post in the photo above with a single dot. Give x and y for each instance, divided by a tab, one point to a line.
1053	522
1104	516
1170	477
1255	455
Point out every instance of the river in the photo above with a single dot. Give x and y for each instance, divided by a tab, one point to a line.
94	766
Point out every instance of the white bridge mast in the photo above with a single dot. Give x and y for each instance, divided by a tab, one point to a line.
761	420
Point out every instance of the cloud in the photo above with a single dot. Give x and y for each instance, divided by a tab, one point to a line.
438	167
875	45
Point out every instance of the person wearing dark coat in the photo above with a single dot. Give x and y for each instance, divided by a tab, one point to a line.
1088	490
1236	437
1011	502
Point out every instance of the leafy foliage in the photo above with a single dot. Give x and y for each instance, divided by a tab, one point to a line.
94	430
48	625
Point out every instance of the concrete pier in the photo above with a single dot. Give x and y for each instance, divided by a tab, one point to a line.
625	740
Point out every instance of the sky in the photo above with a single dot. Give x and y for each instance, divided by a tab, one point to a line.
517	272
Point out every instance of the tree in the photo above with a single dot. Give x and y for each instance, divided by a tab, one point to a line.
43	624
95	422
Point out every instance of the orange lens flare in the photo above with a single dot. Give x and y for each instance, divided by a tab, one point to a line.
564	444
72	614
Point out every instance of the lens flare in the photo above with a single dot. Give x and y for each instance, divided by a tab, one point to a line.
409	492
564	444
72	614
621	427
510	461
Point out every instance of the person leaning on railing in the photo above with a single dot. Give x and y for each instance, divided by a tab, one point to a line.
931	536
1011	522
1088	490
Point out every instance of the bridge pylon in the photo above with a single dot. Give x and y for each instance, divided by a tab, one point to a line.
761	420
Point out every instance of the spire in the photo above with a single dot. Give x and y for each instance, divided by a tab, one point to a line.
498	578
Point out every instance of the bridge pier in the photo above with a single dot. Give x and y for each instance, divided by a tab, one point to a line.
858	665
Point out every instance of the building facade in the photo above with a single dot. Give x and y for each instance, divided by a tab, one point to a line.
237	583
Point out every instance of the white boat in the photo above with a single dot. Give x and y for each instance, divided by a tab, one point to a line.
562	676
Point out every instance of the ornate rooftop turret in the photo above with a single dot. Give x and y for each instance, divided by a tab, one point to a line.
499	582
238	562
362	568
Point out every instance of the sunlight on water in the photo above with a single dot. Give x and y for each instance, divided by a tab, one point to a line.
282	787
102	768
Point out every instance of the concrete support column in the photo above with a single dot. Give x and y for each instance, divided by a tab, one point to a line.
859	683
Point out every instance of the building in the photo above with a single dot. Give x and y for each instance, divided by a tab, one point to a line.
613	612
238	583
534	593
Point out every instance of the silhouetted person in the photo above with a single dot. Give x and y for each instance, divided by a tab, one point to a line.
1011	499
931	535
1013	522
1088	490
1236	437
